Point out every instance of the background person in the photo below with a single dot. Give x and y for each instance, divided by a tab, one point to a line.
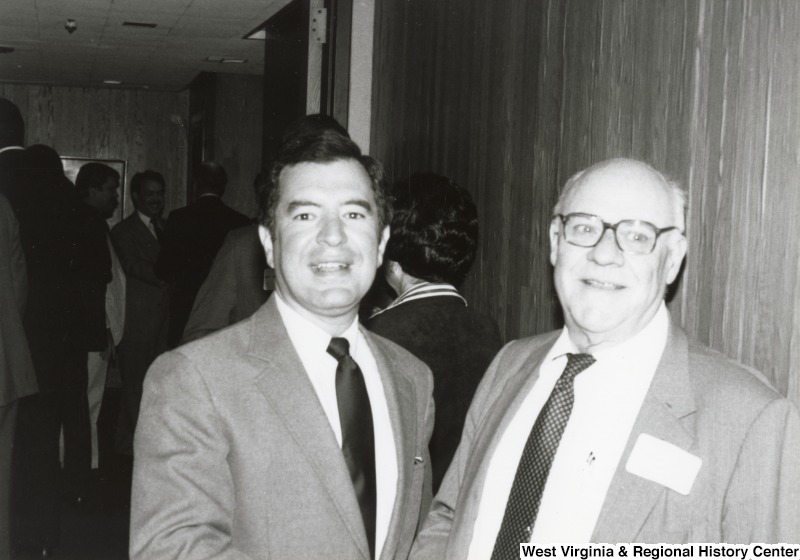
137	242
434	236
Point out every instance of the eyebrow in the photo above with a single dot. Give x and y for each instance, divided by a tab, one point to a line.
295	204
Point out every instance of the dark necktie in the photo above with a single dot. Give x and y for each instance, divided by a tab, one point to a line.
537	458
157	229
358	441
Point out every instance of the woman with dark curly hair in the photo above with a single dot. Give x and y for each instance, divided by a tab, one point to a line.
434	236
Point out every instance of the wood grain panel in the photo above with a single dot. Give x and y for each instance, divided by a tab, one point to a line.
510	98
132	125
238	136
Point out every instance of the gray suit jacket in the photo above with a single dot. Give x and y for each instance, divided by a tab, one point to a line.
234	287
147	297
17	377
747	435
235	458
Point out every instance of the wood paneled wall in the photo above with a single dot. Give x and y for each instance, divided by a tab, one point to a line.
238	118
133	125
509	98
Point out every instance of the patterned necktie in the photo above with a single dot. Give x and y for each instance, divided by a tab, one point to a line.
358	440
537	458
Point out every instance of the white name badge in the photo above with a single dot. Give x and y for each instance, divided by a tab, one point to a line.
664	463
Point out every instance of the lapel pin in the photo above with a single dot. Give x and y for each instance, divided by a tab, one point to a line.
418	460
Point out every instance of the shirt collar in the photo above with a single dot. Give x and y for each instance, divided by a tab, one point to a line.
9	148
424	290
305	334
145	218
652	337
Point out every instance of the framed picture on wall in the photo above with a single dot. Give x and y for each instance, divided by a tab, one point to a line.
73	164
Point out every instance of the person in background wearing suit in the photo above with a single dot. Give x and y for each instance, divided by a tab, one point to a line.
137	242
431	248
240	281
647	436
64	238
98	362
192	239
296	433
103	304
17	376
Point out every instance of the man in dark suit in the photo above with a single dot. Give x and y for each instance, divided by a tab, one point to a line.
294	434
432	246
136	240
192	239
69	265
618	428
97	188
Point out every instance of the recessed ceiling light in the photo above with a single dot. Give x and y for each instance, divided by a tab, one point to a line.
139	24
112	82
225	60
257	34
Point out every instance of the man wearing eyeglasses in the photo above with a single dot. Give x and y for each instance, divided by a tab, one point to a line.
618	428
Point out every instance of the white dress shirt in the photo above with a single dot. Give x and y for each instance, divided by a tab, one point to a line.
608	396
311	344
147	221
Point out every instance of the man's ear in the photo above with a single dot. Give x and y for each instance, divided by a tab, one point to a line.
677	251
266	240
555	230
382	244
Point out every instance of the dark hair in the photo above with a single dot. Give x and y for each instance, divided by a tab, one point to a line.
43	162
210	177
93	176
323	146
12	127
434	233
142	177
308	125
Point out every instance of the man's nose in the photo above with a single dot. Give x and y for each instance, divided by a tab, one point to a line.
606	251
332	231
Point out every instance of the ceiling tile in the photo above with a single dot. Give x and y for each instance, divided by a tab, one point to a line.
166	57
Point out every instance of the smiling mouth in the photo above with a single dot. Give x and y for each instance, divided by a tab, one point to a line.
602	285
329	267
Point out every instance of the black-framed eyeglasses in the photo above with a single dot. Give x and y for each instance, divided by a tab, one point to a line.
635	237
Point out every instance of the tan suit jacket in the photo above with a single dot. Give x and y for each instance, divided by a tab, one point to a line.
235	458
747	436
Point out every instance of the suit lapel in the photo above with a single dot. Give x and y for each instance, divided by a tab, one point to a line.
284	383
499	413
666	413
405	425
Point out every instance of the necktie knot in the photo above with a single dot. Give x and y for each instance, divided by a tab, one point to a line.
339	347
576	363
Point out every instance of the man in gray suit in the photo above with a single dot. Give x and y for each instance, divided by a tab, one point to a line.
137	242
295	433
647	436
